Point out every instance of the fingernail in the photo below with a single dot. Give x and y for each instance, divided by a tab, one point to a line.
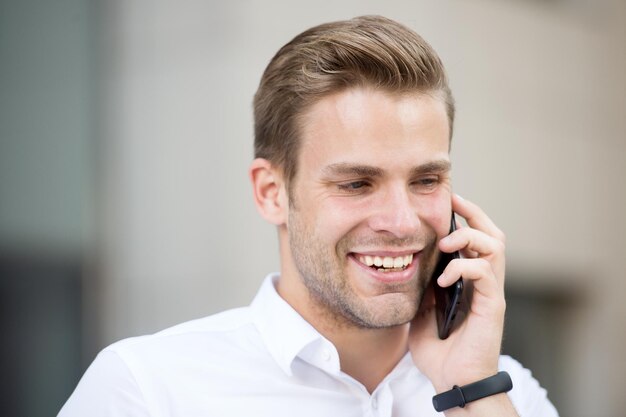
459	197
441	279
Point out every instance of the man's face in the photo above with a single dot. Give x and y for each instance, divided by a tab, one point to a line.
373	185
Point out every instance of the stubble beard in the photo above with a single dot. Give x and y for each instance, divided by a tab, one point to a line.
323	272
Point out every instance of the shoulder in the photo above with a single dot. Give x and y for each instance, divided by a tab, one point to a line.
220	323
209	334
142	375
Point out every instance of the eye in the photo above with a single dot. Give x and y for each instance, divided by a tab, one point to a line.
427	183
353	186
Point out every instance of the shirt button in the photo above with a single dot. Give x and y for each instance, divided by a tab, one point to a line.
326	355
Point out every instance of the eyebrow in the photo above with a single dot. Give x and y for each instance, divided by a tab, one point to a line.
438	166
345	168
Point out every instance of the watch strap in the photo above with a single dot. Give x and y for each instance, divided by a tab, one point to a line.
459	396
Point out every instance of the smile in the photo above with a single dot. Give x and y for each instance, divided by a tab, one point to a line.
386	263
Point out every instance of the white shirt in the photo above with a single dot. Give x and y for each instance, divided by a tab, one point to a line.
262	360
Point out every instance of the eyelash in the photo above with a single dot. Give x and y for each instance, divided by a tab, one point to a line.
353	186
428	182
425	184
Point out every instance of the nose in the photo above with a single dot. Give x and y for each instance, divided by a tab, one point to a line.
396	214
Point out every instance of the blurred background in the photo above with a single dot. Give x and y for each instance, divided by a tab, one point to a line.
126	133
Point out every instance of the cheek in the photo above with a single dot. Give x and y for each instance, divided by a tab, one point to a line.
339	225
435	212
337	220
326	220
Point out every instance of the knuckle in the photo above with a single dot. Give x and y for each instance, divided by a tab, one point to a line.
484	264
454	266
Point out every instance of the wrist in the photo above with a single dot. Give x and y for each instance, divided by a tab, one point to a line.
459	396
462	378
497	405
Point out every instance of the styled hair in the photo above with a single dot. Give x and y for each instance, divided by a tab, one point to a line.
367	51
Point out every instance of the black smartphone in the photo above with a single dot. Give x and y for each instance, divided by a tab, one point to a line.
452	303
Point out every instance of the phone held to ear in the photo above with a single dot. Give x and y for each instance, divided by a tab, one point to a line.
452	303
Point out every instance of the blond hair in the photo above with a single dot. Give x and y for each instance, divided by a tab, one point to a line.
367	51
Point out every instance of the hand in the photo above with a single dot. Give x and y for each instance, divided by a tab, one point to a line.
471	352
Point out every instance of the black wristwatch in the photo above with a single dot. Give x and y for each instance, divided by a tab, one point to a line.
459	396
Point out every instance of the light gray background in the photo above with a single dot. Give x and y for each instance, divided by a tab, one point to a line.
162	208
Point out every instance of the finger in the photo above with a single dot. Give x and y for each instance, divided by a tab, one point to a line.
465	252
477	242
473	241
479	272
476	217
471	269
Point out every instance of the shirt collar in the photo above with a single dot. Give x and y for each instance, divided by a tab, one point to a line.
285	332
288	335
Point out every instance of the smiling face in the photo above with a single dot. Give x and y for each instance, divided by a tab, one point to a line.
370	200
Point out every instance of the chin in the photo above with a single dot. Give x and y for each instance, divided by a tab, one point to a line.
394	310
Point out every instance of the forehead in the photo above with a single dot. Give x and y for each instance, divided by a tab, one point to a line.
373	127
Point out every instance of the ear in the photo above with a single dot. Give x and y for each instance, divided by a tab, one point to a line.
268	188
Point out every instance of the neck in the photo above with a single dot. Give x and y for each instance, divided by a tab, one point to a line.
369	355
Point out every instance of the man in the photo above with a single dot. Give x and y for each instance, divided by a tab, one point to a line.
353	122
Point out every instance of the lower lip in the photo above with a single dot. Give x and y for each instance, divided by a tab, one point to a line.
396	277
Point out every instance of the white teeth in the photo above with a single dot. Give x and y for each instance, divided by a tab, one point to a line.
387	261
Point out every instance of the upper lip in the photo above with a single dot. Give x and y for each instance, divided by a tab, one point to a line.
391	253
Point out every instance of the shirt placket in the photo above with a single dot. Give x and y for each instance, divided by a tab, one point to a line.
381	401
